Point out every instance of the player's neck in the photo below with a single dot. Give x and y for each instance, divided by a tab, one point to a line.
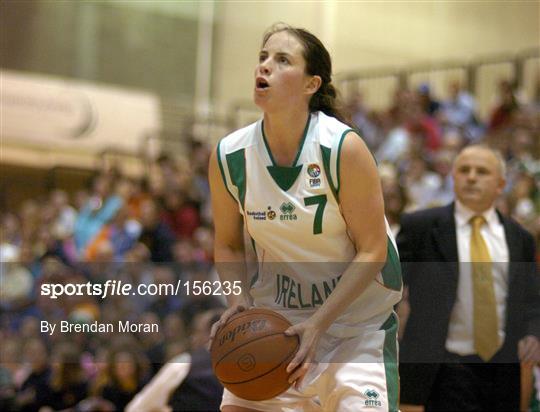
284	132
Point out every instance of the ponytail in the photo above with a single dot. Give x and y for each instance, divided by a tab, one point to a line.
326	100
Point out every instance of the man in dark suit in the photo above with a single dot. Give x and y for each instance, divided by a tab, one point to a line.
470	324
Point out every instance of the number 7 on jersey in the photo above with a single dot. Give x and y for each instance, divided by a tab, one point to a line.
320	201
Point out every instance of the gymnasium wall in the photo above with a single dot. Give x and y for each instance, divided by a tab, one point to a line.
372	34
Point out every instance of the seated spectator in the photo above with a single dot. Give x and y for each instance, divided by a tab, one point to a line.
361	119
186	382
429	105
181	215
67	384
125	377
458	112
395	201
507	105
422	127
395	145
156	235
34	392
421	183
65	214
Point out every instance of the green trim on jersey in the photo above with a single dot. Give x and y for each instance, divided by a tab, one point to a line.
222	170
326	152
299	151
255	277
338	162
390	327
391	272
284	176
236	162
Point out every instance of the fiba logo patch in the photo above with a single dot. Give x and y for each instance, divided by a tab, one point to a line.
314	171
372	398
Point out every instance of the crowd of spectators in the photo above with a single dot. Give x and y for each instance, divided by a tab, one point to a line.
417	138
152	231
158	229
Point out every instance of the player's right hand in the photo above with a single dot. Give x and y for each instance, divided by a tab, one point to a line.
224	319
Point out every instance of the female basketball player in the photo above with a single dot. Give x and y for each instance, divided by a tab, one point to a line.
304	187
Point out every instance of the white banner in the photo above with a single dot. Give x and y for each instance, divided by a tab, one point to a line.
57	113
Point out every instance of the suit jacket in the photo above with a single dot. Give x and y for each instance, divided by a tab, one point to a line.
429	255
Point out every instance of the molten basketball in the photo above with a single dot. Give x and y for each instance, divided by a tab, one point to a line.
251	352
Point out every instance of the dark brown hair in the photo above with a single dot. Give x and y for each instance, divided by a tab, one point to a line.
318	63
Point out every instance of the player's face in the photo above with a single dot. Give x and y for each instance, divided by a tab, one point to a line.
280	78
477	178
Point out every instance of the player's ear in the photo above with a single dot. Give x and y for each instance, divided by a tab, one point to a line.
313	84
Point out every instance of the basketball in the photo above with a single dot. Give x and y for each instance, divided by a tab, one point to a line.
250	354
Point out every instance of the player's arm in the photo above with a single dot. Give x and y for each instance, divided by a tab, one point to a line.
362	207
229	254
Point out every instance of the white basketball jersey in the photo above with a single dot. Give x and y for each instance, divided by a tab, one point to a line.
299	235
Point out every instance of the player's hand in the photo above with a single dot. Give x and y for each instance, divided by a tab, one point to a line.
309	338
224	319
529	349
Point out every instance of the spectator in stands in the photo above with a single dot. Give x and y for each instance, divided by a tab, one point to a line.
180	214
10	365
395	202
200	189
422	127
125	376
34	392
204	245
458	112
156	235
422	184
442	166
65	215
168	175
100	209
360	117
507	106
188	376
164	304
428	103
396	141
11	229
67	383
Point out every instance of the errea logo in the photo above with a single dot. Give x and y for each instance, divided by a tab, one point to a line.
287	211
372	398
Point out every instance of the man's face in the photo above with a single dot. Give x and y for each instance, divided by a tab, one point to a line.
477	178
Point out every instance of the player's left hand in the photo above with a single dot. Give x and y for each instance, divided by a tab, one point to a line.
309	336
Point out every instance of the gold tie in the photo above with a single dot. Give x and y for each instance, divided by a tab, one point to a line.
486	337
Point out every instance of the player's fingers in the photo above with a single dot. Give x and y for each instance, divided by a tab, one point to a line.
222	321
291	331
526	349
213	332
298	375
531	354
300	357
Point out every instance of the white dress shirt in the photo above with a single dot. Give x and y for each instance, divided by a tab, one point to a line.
460	338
